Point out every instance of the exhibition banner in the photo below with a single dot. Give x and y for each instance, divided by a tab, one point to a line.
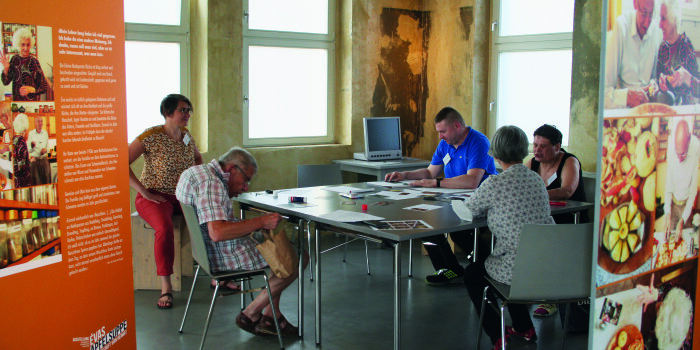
647	253
65	253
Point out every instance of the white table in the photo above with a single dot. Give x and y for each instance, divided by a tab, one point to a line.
380	168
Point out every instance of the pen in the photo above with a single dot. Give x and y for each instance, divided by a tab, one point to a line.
557	202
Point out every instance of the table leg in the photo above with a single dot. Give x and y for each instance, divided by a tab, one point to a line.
576	217
397	295
410	258
476	244
317	259
300	302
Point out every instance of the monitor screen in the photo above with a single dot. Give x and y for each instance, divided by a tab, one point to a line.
383	138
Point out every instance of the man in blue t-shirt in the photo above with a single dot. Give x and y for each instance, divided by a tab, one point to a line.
462	156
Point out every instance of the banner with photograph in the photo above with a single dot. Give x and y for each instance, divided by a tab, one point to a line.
647	255
65	253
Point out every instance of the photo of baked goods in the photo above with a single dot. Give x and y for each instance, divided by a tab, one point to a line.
630	154
626	338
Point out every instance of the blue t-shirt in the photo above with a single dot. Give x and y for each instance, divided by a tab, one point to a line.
472	153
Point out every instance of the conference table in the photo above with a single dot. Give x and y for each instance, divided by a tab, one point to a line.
423	216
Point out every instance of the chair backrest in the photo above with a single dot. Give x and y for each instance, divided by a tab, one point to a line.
553	262
199	248
318	175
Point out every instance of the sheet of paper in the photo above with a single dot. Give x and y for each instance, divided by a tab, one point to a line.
389	184
443	190
398	195
423	207
405	225
349	216
348	189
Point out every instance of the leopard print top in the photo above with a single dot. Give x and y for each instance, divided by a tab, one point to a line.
165	159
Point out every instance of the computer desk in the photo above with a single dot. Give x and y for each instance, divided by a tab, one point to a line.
380	168
321	202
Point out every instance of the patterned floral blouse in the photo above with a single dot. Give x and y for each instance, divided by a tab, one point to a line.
20	162
670	58
513	198
25	71
165	158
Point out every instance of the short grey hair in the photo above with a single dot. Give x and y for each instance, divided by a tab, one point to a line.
22	34
21	123
239	156
509	144
674	8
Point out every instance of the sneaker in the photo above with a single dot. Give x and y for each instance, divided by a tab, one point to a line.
443	276
545	310
530	336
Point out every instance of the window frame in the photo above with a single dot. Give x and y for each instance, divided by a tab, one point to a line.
167	34
517	43
269	38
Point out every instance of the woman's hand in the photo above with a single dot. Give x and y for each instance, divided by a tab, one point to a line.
153	197
681	77
5	62
26	90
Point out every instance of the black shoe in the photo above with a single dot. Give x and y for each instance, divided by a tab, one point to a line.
443	276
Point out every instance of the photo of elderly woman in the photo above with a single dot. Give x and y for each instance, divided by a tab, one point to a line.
25	57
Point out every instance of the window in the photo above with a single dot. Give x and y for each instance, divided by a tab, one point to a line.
288	65
157	58
531	65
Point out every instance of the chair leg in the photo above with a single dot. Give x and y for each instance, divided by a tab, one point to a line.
503	325
566	324
187	307
367	258
274	313
243	294
481	318
211	308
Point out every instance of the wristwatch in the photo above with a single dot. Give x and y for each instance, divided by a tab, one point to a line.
438	182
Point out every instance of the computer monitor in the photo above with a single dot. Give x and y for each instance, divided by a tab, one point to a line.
382	138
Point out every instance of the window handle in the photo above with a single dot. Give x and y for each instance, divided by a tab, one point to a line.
494	24
245	99
492	103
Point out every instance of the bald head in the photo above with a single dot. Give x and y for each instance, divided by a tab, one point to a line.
682	140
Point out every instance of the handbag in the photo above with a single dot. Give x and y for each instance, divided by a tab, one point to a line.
278	253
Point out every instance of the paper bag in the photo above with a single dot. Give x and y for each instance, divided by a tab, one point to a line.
279	254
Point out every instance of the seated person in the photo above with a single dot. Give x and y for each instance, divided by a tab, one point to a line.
561	173
512	198
676	64
209	188
462	155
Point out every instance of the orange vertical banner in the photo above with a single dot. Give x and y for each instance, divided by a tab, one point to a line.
65	253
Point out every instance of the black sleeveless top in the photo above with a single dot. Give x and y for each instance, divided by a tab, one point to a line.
578	194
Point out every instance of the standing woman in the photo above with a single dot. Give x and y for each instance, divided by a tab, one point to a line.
168	150
20	152
23	70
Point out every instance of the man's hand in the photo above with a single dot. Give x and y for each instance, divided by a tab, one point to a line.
270	221
636	98
394	176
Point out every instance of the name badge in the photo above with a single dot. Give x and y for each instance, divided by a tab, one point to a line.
551	179
446	159
186	139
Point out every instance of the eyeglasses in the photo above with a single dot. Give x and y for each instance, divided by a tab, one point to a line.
247	179
185	110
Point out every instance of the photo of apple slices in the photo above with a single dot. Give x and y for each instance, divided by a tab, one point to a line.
623	230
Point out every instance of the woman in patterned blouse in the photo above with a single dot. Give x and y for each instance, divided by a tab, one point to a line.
676	64
168	150
23	70
20	152
512	198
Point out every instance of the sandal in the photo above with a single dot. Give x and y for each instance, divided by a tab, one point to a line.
230	285
266	325
168	304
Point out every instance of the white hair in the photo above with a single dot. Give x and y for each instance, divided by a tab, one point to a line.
674	8
21	123
22	34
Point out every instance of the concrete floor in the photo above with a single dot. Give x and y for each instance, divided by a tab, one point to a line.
357	311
